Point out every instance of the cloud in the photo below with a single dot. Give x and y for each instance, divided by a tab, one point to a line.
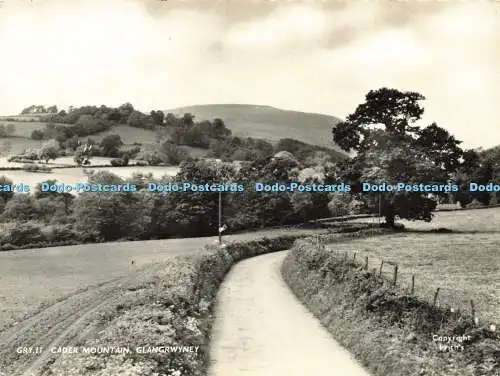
317	57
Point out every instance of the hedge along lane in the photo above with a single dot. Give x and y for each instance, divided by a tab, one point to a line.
261	329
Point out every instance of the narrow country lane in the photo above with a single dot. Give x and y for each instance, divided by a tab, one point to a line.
261	329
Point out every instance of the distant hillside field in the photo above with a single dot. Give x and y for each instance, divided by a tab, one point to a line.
267	122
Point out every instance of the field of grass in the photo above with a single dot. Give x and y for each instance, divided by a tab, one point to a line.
477	220
25	118
464	264
128	134
35	276
17	145
24	129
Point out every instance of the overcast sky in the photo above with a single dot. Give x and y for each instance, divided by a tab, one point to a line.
308	56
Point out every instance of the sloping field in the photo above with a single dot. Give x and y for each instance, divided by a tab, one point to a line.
267	122
17	145
24	128
128	134
464	265
478	220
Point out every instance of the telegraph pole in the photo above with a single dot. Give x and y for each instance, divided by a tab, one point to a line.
220	218
379	208
219	165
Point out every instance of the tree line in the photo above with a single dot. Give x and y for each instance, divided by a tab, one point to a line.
91	217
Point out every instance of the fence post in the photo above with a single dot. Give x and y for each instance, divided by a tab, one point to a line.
395	279
366	263
473	310
413	284
381	266
354	257
435	297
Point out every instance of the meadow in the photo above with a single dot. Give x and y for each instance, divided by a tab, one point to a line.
129	135
24	128
17	145
466	221
463	264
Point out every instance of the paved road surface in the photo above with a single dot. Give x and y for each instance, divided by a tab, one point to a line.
261	329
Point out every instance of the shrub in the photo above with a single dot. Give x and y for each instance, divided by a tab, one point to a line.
475	204
356	207
119	162
55	234
23	233
339	204
494	200
37	135
22	207
33	167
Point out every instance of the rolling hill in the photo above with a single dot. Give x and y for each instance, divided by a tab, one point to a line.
267	122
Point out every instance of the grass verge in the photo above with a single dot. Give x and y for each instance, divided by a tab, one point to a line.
389	332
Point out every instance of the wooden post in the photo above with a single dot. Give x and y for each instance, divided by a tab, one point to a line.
395	279
381	266
366	263
413	284
435	297
345	255
354	257
473	310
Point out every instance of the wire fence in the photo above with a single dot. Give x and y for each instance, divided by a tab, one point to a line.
406	283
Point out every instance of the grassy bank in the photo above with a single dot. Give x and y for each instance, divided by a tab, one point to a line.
389	332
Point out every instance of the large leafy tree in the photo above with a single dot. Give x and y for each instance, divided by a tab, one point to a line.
483	167
110	215
390	147
110	145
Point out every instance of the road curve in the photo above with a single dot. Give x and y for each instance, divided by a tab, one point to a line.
261	329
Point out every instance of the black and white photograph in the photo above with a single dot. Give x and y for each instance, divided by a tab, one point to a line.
249	188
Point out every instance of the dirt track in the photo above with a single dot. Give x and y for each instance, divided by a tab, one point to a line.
261	329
